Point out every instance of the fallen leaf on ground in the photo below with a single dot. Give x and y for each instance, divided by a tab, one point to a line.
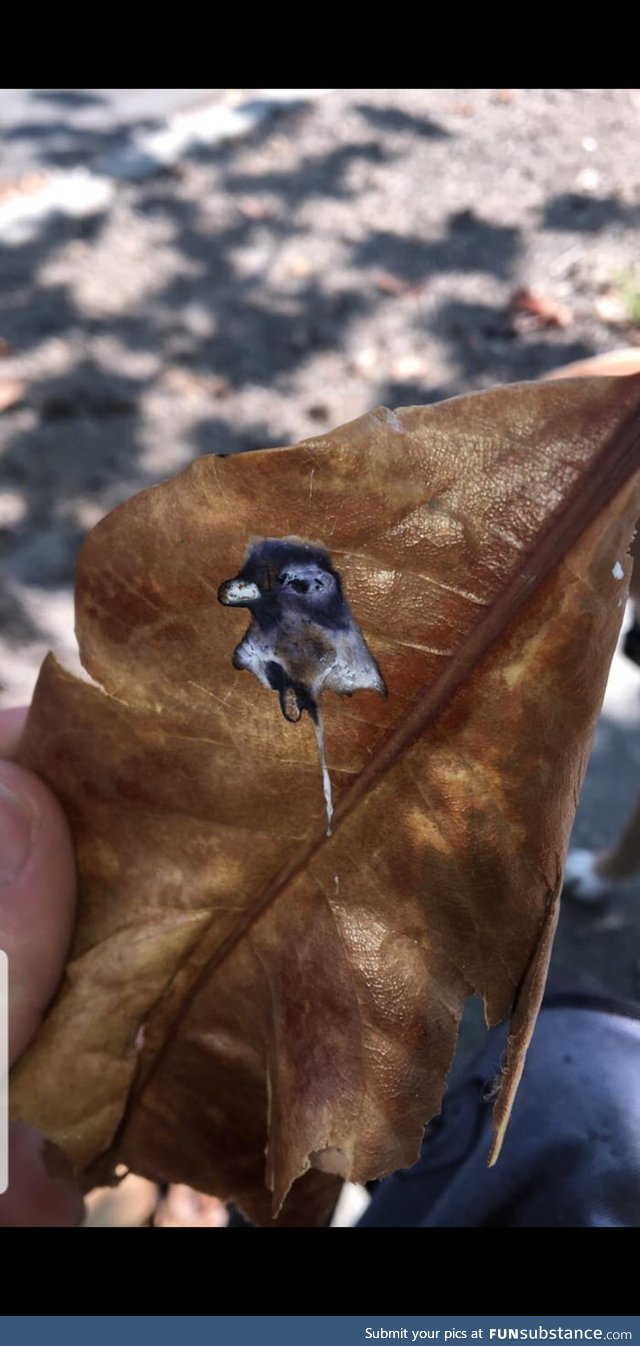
241	984
388	283
539	309
621	362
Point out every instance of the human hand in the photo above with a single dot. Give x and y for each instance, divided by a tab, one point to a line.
37	902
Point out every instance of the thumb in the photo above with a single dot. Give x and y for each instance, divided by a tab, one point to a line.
37	896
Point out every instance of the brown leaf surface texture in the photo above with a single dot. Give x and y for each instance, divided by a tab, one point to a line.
240	984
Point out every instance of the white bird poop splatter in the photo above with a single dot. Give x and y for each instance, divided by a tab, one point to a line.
303	639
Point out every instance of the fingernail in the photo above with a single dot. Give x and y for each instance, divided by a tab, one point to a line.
16	828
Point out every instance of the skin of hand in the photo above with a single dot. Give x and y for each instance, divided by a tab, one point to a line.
37	903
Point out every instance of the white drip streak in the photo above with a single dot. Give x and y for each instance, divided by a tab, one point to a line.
318	729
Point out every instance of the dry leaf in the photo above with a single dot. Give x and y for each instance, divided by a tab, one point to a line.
625	360
539	309
388	283
240	983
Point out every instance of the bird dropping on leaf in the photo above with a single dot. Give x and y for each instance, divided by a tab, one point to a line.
303	637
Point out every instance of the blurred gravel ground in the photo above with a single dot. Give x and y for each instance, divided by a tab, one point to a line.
63	128
363	249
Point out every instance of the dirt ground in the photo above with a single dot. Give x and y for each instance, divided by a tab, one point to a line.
362	249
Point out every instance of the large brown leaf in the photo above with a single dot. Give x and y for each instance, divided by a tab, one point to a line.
239	981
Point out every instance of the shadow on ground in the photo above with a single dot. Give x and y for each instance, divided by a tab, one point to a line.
253	295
